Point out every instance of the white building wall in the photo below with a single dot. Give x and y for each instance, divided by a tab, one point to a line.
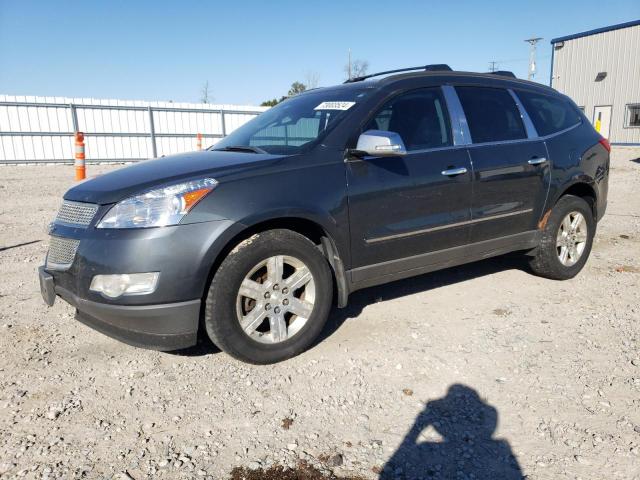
617	52
40	129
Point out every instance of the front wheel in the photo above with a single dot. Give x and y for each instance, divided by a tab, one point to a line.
566	240
270	298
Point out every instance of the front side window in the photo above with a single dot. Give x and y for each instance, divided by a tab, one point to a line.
633	115
549	114
492	114
295	124
419	117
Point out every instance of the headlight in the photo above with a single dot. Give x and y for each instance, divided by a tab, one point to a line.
158	208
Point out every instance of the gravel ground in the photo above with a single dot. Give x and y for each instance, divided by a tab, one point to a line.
480	371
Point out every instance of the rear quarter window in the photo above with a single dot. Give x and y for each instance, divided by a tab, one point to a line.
549	114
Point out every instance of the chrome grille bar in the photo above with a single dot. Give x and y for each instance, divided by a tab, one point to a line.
62	251
76	213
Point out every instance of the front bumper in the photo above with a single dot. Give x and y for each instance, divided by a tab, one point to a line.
168	318
169	326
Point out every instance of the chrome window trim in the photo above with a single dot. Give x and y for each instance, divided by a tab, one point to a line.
546	137
554	134
520	140
524	115
487	144
443	227
459	127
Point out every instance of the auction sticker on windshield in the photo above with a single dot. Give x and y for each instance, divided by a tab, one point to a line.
335	106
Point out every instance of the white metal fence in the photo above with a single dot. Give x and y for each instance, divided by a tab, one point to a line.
41	129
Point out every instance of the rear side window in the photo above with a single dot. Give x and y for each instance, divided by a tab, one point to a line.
491	113
549	114
418	117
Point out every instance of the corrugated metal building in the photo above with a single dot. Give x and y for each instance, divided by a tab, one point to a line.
600	70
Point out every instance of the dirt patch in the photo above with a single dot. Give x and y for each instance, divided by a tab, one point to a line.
286	423
301	472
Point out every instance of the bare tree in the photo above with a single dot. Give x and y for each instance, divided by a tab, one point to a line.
356	68
311	79
204	93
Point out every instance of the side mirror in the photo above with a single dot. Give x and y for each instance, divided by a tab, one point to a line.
379	143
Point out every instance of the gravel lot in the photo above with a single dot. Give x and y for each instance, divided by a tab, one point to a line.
480	371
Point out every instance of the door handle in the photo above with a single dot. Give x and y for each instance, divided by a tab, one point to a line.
537	161
452	172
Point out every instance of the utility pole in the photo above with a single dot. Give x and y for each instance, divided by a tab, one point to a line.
493	66
532	56
349	68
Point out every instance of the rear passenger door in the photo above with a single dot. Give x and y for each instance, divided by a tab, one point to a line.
510	167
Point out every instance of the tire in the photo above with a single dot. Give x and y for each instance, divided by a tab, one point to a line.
254	264
547	261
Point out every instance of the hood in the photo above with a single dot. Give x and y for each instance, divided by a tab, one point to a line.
125	182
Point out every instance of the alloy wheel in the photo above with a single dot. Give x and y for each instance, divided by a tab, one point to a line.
571	239
276	299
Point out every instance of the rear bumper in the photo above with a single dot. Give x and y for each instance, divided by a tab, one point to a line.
165	327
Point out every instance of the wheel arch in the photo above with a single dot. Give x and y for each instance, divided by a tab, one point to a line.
580	187
306	227
585	190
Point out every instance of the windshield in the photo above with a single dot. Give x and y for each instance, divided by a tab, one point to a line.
295	124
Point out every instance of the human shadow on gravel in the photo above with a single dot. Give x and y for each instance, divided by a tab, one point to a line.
466	448
410	286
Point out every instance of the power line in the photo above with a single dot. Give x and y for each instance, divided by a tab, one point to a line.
520	60
493	66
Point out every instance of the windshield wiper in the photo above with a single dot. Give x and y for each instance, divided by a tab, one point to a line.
241	148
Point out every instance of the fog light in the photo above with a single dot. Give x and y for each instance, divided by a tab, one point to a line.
113	286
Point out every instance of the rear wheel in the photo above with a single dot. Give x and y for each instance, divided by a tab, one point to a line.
566	239
270	298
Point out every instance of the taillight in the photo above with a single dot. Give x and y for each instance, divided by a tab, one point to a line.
605	143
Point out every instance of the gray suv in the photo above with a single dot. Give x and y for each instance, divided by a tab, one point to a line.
251	241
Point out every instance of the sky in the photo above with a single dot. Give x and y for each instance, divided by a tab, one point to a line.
250	51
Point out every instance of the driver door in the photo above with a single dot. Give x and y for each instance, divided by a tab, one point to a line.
403	208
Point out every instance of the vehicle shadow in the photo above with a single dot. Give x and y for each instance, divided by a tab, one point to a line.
204	347
429	281
453	438
360	299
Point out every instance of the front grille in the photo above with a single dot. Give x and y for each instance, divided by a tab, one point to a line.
62	251
76	213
